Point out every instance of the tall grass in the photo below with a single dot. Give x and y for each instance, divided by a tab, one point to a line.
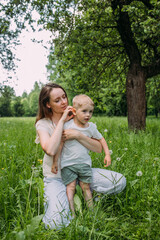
132	214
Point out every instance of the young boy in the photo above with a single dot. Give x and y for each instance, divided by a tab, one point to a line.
75	159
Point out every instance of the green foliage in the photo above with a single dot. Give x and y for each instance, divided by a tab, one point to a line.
94	45
33	99
18	109
14	16
27	105
153	96
20	169
89	46
27	110
6	95
29	231
97	43
132	214
33	102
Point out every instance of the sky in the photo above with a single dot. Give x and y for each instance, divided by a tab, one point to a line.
32	64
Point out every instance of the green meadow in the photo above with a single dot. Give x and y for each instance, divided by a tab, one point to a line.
131	214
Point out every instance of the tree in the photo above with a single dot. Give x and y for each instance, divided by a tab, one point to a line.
18	109
95	39
30	101
33	103
6	95
13	18
99	37
33	98
24	94
153	96
26	107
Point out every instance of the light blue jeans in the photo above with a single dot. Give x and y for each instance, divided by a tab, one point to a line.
57	213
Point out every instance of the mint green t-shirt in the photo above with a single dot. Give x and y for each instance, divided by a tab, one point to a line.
74	152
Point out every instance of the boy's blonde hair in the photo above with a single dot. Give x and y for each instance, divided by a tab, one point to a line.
80	100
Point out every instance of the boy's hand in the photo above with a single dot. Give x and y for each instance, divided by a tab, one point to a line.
107	160
54	168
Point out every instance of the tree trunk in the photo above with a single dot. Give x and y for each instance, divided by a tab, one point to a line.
136	103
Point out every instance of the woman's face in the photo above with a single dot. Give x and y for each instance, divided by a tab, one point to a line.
58	100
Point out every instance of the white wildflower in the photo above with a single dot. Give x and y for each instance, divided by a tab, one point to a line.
139	173
125	149
110	151
12	146
118	159
105	130
97	199
156	158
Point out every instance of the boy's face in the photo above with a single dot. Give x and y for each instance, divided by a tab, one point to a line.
84	114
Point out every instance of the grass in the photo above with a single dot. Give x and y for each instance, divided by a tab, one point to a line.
132	214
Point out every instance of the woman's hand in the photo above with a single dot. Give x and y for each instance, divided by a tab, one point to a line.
68	114
70	134
90	143
50	144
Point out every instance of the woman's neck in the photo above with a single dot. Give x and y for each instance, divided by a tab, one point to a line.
56	117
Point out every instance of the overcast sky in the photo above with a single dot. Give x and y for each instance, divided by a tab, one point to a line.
31	67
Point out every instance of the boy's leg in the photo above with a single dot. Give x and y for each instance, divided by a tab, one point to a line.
70	194
87	193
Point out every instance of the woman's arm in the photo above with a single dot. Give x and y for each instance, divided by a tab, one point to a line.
90	143
50	144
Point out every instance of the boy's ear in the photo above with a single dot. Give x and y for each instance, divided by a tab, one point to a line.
74	111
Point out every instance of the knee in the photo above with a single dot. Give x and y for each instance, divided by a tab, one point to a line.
85	186
71	186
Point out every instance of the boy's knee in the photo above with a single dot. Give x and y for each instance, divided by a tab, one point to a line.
72	185
85	186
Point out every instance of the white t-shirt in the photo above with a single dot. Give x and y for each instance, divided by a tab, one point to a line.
74	152
47	125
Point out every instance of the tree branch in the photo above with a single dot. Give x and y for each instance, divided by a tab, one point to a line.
147	4
124	28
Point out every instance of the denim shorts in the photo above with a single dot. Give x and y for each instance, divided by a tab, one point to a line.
82	172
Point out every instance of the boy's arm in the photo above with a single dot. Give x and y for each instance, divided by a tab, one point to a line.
54	168
90	143
107	159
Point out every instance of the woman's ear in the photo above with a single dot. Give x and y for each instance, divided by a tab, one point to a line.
47	105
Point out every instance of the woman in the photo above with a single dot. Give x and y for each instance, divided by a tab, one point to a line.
53	113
